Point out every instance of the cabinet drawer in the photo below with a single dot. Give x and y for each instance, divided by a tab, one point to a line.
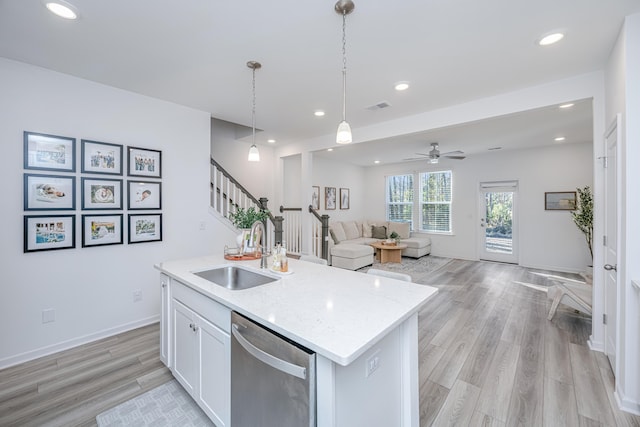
209	309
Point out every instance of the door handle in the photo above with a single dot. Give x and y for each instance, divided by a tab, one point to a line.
269	359
610	267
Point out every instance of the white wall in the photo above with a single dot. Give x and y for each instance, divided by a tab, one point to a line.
331	173
623	96
548	239
231	153
91	289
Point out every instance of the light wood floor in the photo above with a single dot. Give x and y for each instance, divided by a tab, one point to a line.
488	357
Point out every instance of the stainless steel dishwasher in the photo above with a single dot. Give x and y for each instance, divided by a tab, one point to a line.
273	380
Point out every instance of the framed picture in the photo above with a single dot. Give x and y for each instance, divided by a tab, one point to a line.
144	162
144	195
101	157
315	198
101	230
344	198
101	194
49	152
49	232
329	198
145	228
560	201
49	192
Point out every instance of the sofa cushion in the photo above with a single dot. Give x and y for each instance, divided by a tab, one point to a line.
337	232
368	223
351	230
417	242
402	228
351	251
378	232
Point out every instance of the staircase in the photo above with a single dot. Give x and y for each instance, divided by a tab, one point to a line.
228	195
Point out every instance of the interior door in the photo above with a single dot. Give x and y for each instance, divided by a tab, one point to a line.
498	225
611	241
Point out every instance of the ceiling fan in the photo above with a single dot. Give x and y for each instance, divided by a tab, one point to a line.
435	154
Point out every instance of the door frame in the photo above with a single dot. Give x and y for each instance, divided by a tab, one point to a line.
497	187
613	129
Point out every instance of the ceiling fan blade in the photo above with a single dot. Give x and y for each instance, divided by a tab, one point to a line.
448	153
422	154
455	157
411	159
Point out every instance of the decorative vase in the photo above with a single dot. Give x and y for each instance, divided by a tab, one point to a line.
242	239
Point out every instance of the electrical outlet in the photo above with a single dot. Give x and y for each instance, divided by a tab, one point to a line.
137	295
373	362
48	315
203	225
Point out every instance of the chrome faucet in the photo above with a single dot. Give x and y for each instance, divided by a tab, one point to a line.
252	244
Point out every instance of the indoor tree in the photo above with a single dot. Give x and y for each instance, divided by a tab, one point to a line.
583	215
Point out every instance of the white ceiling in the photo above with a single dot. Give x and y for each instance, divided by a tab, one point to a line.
194	53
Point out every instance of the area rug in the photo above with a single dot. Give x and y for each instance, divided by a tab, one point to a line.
417	268
166	405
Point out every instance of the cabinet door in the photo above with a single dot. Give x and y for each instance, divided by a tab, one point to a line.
215	378
165	316
185	351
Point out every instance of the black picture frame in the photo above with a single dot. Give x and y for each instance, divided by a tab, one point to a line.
49	152
49	192
144	162
49	232
145	228
101	194
101	230
144	195
101	157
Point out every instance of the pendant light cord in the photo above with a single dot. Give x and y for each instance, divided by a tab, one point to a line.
253	108
344	66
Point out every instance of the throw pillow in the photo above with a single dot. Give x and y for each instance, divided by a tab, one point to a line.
378	232
333	236
351	230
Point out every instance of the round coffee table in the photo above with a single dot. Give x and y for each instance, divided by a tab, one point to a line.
388	253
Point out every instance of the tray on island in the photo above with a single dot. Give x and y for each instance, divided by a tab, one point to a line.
238	257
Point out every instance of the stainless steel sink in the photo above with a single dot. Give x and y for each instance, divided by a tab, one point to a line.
235	278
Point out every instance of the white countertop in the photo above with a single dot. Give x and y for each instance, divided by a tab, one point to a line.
337	313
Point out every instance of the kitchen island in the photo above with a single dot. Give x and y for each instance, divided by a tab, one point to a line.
363	329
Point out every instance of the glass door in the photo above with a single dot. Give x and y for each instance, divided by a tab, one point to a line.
498	235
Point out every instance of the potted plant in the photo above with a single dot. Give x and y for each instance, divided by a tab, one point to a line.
244	219
395	236
583	216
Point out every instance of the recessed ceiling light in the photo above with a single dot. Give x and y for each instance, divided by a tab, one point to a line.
271	141
318	113
559	139
550	39
376	161
329	149
62	9
569	105
400	86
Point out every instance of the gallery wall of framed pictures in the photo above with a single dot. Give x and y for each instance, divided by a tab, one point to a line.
101	196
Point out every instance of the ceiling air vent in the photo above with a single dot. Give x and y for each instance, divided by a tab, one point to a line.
379	106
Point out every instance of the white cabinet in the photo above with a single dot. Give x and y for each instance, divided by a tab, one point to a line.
165	315
201	351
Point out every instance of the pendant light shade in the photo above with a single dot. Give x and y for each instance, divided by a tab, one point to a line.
344	133
254	154
343	136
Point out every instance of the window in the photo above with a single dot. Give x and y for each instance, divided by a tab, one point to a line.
435	201
400	198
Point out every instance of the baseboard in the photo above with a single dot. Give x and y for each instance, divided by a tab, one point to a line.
626	404
65	345
595	345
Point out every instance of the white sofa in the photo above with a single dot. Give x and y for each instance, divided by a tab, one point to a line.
349	241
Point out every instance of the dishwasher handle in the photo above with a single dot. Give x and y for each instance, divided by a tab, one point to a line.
263	356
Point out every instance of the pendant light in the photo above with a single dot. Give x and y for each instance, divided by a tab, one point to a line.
254	154
343	136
